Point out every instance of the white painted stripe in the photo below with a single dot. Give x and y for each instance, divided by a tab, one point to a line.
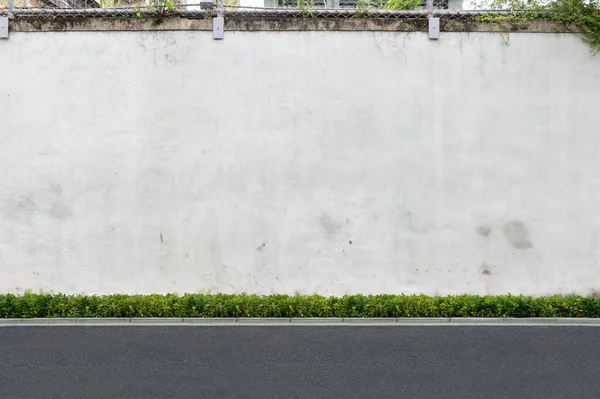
265	322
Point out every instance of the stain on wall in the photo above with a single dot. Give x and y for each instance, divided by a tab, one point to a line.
485	270
330	226
484	230
517	234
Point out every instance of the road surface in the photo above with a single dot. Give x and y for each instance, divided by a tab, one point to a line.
414	362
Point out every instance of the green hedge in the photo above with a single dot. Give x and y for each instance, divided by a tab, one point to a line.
221	305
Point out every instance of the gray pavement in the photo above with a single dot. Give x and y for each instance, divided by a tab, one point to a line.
428	362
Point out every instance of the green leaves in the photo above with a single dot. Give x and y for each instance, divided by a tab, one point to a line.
228	305
584	14
402	4
158	8
364	6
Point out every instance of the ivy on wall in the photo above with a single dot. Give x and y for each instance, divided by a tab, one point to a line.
582	14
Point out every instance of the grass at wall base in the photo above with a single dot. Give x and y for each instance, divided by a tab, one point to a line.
224	305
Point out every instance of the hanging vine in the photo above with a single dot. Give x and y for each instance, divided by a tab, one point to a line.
583	14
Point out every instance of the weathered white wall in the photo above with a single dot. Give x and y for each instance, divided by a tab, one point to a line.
327	162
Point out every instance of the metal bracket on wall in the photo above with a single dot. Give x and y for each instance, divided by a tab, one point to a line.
218	28
219	21
3	27
434	28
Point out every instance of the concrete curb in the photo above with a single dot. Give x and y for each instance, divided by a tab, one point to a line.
215	322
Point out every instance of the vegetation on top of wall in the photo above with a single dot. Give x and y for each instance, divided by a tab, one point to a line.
399	4
363	6
109	3
160	8
222	305
584	14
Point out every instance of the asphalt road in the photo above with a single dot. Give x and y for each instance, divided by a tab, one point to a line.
299	362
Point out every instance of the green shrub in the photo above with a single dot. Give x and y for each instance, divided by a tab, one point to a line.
224	305
583	14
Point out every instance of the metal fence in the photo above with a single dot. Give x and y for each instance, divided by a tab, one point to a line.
270	9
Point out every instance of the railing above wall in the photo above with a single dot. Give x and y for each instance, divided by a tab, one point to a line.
202	10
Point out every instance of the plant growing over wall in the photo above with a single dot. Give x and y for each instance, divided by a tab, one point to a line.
402	4
159	8
365	8
306	8
583	14
110	3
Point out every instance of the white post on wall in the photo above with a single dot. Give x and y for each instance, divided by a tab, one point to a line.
219	21
434	23
434	27
3	27
4	20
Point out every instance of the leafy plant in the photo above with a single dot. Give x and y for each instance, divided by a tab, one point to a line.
223	305
584	14
364	8
306	8
402	4
159	8
110	3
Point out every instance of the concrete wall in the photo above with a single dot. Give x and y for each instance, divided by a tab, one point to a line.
327	162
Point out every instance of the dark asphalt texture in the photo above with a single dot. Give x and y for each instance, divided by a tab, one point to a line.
300	362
